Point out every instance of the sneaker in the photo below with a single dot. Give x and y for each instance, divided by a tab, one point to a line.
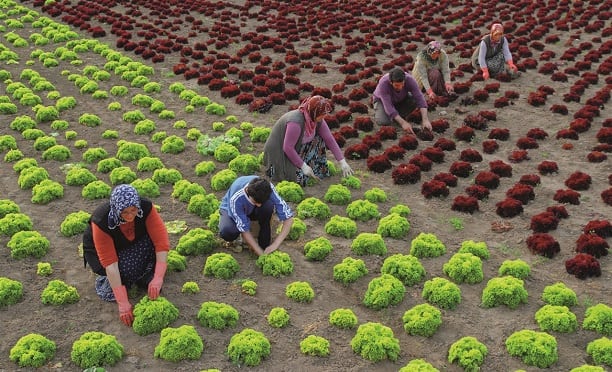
235	246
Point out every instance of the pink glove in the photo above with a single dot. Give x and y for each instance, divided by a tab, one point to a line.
158	279
431	94
125	307
512	66
485	73
449	87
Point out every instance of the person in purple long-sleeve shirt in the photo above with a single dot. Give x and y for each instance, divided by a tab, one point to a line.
251	198
397	94
295	149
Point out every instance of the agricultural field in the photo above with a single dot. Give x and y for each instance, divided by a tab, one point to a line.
454	250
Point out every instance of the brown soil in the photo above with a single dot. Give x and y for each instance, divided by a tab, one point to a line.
65	324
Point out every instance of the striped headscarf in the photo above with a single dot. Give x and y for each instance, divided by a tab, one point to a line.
433	46
123	196
312	107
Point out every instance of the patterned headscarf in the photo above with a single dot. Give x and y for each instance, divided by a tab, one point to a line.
312	107
123	196
433	46
497	28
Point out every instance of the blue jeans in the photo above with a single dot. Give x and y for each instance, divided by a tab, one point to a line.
263	215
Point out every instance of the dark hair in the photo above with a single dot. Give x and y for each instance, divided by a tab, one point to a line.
259	189
397	74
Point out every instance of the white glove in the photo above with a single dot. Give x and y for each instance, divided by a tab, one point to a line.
308	171
346	169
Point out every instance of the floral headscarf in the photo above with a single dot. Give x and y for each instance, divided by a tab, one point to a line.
433	46
123	196
312	107
497	28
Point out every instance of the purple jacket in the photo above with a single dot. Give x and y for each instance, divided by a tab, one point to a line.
385	94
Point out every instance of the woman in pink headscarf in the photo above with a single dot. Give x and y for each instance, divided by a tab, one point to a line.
432	72
493	56
295	149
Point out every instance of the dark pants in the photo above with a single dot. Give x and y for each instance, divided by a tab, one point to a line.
404	108
263	215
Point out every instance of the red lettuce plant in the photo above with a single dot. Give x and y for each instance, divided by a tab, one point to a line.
348	132
604	135
537	133
379	163
477	191
596	157
592	244
547	167
386	132
476	121
530	179
500	134
606	196
406	174
583	266
567	196
602	228
544	222
445	144
363	123
559	211
434	188
509	207
543	244
500	168
520	191
440	125
372	141
525	143
567	134
487	179
471	155
465	203
490	146
461	169
357	151
578	181
421	161
395	152
435	154
501	102
464	133
449	179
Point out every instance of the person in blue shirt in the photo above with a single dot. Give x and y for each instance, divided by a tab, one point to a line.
251	198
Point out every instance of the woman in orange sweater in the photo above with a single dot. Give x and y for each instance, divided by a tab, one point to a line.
126	243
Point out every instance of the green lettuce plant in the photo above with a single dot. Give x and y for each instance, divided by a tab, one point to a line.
13	156
384	291
556	318
142	100
133	116
351	182
337	195
249	287
422	320
223	179
426	245
173	145
28	244
516	268
59	293
129	151
221	265
225	152
249	348
207	145
197	241
12	223
479	249
290	191
313	208
442	293
107	165
315	346
375	342
80	144
213	221
145	127
8	206
275	264
375	195
184	190
298	229
300	292
146	188
94	349
278	317
8	142
205	167
408	269
598	318
369	243
259	134
45	142
349	270
11	291
46	114
317	249
393	226
23	164
468	353
95	154
177	344
119	90
57	152
165	176
151	316
96	190
60	125
537	349
44	269
506	290
90	120
203	205
244	164
419	365
343	318
341	226
217	315
559	294
65	103
601	351
22	122
78	176
176	261
193	134
32	350
122	175
114	106
464	268
362	210
8	108
190	288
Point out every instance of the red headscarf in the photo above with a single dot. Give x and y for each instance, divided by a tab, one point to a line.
312	107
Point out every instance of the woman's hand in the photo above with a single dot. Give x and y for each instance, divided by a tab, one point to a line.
308	171
346	168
